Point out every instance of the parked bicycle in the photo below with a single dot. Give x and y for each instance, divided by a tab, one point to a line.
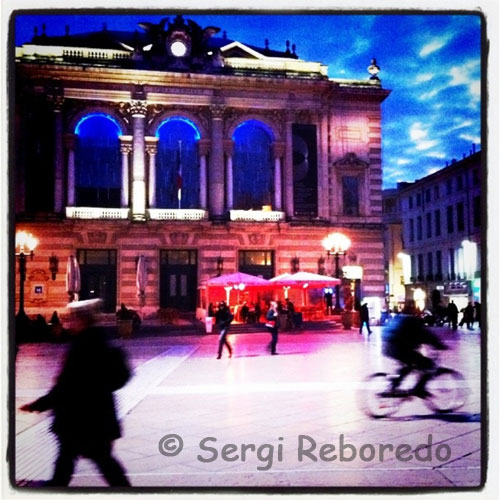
446	392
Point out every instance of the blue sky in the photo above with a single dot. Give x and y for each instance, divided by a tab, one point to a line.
431	63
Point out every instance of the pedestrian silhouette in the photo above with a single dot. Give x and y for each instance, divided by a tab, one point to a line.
85	421
452	312
364	318
223	318
272	325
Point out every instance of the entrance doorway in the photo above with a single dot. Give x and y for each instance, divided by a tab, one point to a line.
98	276
178	279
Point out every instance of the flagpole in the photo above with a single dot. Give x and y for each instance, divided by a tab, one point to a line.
179	175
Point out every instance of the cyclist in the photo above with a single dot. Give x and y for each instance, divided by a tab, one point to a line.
402	339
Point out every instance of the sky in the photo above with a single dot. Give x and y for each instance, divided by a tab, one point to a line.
431	64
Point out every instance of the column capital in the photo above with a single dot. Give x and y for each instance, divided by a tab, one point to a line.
151	145
204	146
126	144
217	111
69	141
138	108
228	145
278	149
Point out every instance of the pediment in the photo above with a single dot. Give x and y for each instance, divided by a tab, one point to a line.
350	160
240	50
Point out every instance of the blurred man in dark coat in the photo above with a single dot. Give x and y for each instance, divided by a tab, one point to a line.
82	401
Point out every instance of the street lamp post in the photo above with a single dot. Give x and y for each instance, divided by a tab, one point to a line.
336	244
25	242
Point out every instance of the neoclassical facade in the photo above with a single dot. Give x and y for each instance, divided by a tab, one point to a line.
197	152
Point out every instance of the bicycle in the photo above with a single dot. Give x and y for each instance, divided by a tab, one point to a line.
446	392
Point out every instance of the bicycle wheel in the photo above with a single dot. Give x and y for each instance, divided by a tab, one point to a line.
375	397
447	390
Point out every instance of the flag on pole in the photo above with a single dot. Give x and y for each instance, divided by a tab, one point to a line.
179	174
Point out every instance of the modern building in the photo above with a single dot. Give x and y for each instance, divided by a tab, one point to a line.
440	221
200	153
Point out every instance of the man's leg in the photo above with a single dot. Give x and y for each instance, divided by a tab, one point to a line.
274	340
64	465
222	340
111	469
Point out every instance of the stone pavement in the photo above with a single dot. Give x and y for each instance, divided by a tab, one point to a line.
283	405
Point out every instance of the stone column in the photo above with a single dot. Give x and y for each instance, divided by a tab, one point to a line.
58	102
125	150
69	143
323	211
151	149
216	173
203	149
288	167
278	151
228	151
138	112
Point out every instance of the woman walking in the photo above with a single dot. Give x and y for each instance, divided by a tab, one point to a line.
272	325
223	318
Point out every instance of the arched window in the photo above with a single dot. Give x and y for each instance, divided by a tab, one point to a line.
252	166
177	169
97	162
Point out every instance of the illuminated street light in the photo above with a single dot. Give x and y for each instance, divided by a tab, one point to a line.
25	244
336	244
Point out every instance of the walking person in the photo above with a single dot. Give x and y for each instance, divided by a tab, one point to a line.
477	309
469	316
223	318
364	318
272	325
452	312
82	401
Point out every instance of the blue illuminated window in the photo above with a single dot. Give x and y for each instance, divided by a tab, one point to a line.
97	162
252	166
177	169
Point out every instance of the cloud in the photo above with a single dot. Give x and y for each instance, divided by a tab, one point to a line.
430	94
433	45
471	138
466	74
436	154
403	161
417	132
423	145
433	170
424	77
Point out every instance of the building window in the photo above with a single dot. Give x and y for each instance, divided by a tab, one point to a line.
428	224
449	218
252	170
460	216
439	265
477	211
257	262
350	195
98	177
419	199
420	264
419	227
410	202
460	183
177	171
412	265
437	222
436	192
430	266
475	177
448	186
427	195
412	230
451	263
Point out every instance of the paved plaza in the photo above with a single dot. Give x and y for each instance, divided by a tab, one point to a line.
288	406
